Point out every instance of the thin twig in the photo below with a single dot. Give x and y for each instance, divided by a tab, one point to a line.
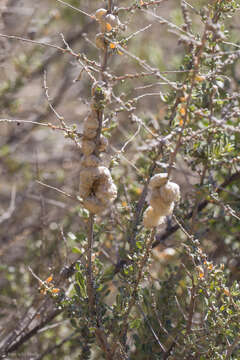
74	8
70	50
170	24
137	32
35	42
145	66
191	306
136	5
152	331
60	118
58	190
21	121
131	139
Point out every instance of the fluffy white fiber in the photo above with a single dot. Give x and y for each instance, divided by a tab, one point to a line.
152	218
162	197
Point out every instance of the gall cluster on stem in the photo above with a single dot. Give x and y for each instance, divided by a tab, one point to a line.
162	197
107	23
97	188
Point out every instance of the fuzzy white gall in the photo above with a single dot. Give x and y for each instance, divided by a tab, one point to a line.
162	197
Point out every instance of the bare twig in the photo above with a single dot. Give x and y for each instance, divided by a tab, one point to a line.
138	32
70	50
74	8
60	118
35	42
145	5
131	139
58	190
162	347
170	24
21	121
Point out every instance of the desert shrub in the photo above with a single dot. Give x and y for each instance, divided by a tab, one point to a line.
120	152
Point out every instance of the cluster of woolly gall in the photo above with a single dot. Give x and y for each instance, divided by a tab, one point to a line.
96	185
163	194
107	23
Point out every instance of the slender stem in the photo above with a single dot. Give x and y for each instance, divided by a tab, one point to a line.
196	67
132	301
13	37
162	347
105	51
99	331
104	63
232	347
90	290
110	6
192	307
139	209
74	8
99	114
195	210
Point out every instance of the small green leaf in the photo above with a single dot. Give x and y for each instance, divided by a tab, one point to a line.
76	250
139	245
135	323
